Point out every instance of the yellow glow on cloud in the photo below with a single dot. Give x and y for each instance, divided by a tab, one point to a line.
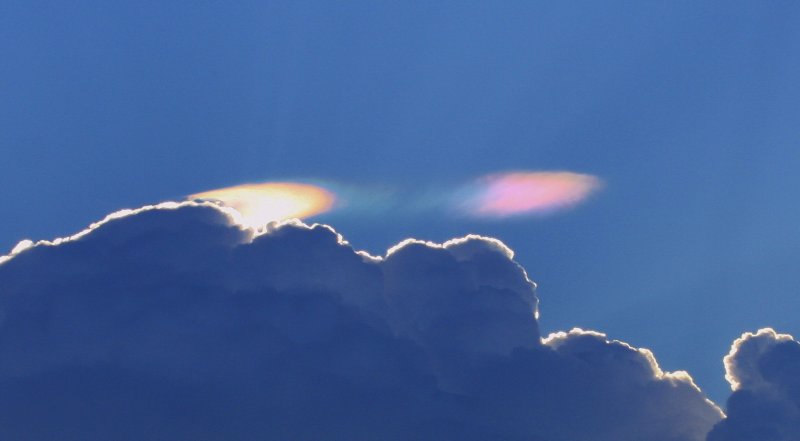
259	204
519	193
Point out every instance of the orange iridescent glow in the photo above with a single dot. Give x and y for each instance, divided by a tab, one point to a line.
259	204
518	193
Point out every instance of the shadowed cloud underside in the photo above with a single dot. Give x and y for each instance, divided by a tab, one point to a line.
176	322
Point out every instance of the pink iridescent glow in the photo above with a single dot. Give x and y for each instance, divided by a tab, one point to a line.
519	193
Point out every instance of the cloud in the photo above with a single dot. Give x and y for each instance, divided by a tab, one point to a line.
763	369
258	204
175	322
493	196
523	193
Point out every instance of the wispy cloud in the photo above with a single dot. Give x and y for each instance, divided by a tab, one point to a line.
493	196
522	193
261	203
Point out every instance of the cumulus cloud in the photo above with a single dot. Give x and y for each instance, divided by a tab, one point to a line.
763	369
175	322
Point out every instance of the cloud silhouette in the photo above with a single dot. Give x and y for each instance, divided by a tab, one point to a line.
763	369
174	322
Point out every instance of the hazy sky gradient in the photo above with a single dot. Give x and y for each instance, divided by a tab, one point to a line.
688	113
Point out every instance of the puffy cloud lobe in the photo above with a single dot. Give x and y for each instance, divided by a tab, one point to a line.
173	322
764	371
581	386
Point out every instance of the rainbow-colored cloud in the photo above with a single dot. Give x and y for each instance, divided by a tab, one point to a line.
494	196
520	193
261	203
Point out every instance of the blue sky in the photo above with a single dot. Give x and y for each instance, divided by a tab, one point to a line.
687	111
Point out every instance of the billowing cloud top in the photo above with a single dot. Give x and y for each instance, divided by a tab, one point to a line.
175	322
763	369
519	193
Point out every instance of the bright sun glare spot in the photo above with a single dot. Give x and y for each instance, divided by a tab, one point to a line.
518	193
259	204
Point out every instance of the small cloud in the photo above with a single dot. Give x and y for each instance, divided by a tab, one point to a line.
524	193
763	369
266	202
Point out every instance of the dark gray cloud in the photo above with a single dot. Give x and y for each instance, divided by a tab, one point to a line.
173	322
763	369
